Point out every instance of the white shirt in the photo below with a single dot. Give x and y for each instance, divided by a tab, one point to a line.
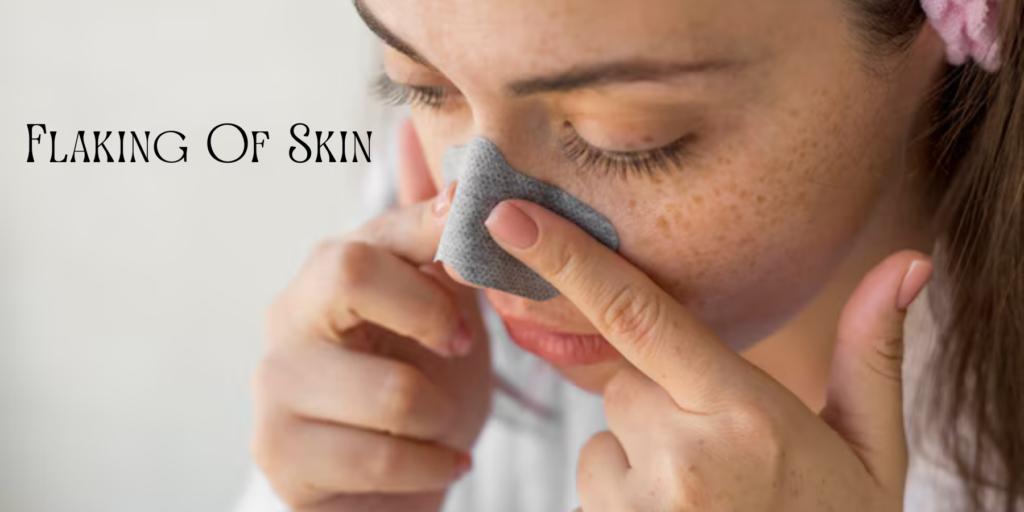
526	462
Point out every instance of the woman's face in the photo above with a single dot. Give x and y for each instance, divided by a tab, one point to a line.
738	146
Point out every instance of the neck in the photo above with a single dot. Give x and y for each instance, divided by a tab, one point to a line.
898	222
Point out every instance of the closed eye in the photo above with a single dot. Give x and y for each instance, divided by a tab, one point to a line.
588	157
393	93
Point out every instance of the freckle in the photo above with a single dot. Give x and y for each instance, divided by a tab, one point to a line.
663	225
744	194
656	180
698	199
632	204
760	198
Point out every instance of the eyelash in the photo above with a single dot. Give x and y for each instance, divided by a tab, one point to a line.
393	93
574	147
625	163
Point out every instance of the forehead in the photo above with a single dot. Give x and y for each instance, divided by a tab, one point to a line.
516	37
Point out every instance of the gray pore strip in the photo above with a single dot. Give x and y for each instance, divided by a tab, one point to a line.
484	180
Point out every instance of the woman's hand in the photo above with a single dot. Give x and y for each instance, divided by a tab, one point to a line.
698	428
376	381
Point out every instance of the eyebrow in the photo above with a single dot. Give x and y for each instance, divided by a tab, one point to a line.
635	70
580	77
388	36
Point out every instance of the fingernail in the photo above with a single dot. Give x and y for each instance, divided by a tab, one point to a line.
462	342
463	463
913	282
512	225
443	201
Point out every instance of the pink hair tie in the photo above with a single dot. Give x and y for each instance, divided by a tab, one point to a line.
969	28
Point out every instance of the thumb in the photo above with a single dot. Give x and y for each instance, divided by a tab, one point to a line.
865	390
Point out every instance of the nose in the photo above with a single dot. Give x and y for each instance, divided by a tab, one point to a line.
484	179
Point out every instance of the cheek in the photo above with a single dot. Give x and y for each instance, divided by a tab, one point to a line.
747	245
436	134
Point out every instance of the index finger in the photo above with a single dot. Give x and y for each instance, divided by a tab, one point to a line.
414	181
645	324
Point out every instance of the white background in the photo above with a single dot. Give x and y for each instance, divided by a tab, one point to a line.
131	295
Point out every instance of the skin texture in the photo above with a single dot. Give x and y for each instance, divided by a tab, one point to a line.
693	426
779	235
798	150
364	399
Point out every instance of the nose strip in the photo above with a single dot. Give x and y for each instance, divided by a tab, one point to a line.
484	180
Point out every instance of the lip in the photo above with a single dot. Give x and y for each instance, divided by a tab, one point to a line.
559	348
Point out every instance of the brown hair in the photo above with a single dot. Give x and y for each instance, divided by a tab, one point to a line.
976	387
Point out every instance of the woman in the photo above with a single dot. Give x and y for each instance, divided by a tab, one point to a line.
781	176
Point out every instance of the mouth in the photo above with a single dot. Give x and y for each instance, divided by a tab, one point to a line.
559	348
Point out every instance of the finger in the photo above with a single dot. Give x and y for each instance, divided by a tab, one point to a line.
355	282
309	461
414	181
411	232
384	290
634	408
643	322
865	390
601	474
326	383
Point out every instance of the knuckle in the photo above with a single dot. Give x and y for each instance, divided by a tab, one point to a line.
685	482
354	266
633	314
326	249
273	442
686	490
888	360
323	258
438	320
562	261
383	464
760	433
307	299
751	420
620	391
399	395
594	444
585	477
